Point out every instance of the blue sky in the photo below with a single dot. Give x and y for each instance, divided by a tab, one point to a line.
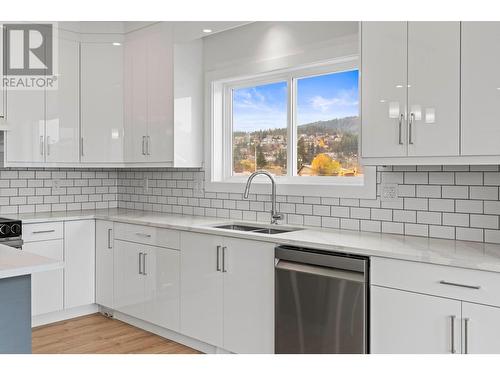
319	98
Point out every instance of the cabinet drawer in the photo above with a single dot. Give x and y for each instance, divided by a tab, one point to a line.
42	231
147	235
450	282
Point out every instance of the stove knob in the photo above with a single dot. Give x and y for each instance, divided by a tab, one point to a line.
4	229
15	229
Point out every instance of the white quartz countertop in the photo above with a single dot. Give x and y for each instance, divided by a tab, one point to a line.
474	255
15	262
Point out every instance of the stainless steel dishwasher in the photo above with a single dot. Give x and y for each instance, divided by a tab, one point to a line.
321	302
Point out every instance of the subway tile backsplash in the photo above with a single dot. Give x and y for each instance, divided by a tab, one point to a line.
45	190
453	202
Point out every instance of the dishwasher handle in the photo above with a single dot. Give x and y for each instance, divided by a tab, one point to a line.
333	273
321	258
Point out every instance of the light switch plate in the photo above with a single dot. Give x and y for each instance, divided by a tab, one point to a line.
389	192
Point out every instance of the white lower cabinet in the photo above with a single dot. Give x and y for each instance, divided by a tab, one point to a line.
480	329
47	287
146	283
79	263
227	292
425	308
104	251
405	322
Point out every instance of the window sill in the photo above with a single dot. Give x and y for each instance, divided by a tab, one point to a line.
367	190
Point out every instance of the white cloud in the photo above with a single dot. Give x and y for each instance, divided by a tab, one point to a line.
344	98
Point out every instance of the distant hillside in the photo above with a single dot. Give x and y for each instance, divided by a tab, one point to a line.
338	125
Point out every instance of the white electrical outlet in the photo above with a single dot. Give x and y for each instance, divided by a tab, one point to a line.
389	192
198	184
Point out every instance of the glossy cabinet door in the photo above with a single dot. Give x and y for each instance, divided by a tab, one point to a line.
129	286
47	287
201	288
136	89
25	139
62	124
433	88
480	329
248	296
102	102
383	85
79	259
480	88
188	104
411	323
160	102
104	251
162	279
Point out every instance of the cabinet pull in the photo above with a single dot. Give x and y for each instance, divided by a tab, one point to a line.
224	263
148	145
466	335
400	126
43	231
452	318
443	282
410	128
144	264
140	263
144	145
48	145
143	235
81	147
218	258
110	246
42	146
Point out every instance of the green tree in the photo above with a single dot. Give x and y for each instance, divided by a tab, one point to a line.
261	159
301	152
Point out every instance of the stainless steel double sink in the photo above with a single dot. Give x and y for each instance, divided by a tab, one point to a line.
256	228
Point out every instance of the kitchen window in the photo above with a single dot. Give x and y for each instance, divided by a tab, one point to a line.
301	125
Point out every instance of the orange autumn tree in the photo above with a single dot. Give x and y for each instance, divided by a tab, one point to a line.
324	165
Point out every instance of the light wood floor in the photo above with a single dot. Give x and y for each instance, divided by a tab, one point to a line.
96	334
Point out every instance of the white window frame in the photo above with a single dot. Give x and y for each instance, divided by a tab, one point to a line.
219	176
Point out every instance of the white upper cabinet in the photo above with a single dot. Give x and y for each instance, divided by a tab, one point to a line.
163	98
433	88
410	91
62	124
480	88
383	85
102	101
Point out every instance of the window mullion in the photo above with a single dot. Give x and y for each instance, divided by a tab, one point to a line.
292	130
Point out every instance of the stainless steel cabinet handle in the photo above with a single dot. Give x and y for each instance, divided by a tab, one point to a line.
148	145
452	318
42	146
110	246
143	235
2	116
144	264
218	258
144	145
224	261
400	126
443	282
43	231
81	147
466	335
410	128
48	145
140	263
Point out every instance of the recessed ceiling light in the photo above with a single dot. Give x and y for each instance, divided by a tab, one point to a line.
399	86
206	31
117	44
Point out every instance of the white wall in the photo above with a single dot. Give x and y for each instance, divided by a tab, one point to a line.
264	46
